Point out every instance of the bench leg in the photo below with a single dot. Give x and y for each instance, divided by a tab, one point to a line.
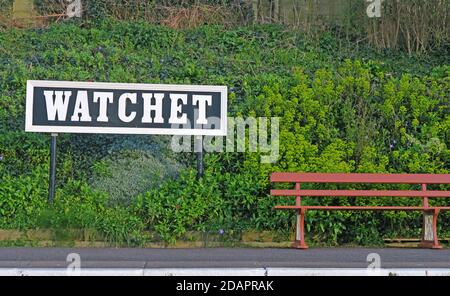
429	230
299	242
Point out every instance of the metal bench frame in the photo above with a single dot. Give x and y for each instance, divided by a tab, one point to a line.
429	229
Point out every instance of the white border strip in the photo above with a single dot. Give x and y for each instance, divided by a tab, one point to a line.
275	271
31	84
358	271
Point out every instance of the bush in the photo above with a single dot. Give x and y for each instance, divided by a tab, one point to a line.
175	207
77	206
125	175
22	198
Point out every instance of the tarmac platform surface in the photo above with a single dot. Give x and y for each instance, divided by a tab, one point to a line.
224	258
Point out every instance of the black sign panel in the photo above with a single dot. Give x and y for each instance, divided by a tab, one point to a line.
120	108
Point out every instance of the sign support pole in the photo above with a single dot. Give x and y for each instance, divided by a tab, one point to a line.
52	178
200	157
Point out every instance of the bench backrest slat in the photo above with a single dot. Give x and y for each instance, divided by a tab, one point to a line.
360	193
361	178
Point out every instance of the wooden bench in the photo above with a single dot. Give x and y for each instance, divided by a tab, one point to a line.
430	213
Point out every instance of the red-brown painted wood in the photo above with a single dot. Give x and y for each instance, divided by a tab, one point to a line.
424	194
396	193
361	178
360	208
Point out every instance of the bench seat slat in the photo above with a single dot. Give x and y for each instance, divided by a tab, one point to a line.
360	178
358	208
393	193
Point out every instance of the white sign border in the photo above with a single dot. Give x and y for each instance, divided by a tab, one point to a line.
31	84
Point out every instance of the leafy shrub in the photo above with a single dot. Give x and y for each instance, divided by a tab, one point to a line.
22	198
124	176
78	206
175	207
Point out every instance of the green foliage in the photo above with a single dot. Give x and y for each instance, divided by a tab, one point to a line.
341	110
22	197
5	5
175	207
78	206
123	176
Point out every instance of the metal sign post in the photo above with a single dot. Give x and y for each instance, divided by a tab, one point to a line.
200	157
52	179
